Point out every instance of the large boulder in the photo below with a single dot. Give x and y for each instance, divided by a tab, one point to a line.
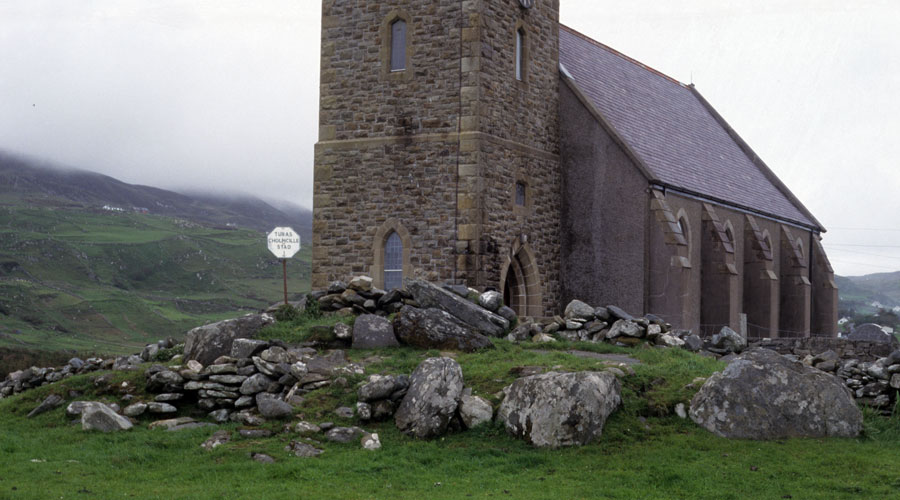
436	329
431	401
727	341
870	332
479	318
208	342
370	332
560	409
763	395
99	417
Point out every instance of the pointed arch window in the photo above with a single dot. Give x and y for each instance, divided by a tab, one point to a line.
393	261
520	54
398	45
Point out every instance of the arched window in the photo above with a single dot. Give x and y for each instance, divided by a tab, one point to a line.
393	262
398	45
520	54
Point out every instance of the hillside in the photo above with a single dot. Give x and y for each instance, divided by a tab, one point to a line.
74	275
34	183
858	293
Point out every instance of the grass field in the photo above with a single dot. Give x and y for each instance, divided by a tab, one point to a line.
645	452
81	279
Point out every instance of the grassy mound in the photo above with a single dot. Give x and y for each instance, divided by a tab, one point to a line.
645	452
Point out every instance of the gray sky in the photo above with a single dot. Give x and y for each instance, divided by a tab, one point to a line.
223	95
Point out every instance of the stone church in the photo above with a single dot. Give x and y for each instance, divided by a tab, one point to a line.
482	142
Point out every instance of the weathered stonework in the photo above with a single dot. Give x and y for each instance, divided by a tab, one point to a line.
524	186
437	149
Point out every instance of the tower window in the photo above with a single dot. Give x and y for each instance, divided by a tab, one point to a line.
393	262
398	45
520	194
520	54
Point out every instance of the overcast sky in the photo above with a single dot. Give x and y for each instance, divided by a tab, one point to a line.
223	95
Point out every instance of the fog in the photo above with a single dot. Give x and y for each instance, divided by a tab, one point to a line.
223	95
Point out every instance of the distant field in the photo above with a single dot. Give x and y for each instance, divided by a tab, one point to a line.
92	280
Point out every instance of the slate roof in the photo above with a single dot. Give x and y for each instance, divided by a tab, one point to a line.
677	137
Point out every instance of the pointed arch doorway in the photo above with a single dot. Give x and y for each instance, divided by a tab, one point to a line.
520	281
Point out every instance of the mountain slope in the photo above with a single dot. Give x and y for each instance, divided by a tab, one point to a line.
74	275
24	180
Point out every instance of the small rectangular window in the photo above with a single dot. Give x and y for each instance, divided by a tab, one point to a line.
398	45
520	194
520	54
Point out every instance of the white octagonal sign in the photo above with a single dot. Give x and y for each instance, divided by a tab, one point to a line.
284	242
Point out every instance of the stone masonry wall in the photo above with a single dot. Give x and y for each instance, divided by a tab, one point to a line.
387	141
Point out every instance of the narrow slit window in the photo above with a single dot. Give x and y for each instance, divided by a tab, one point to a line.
520	194
398	45
393	262
520	54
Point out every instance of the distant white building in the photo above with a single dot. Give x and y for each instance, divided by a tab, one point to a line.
877	305
112	208
843	321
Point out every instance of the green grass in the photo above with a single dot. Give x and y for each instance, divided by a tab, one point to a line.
641	455
82	279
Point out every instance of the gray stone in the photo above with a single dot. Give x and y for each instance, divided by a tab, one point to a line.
228	379
475	410
262	458
99	417
217	439
247	348
208	342
617	313
344	412
364	411
76	408
428	295
602	314
693	343
680	410
344	434
573	324
124	363
161	408
165	380
361	284
870	332
149	352
135	410
560	409
255	384
381	387
303	450
265	367
763	395
508	314
220	416
275	355
667	340
728	340
76	363
52	401
168	397
434	328
336	287
370	442
625	328
895	381
343	331
877	370
461	290
491	300
272	407
307	428
431	401
580	311
245	401
255	433
371	332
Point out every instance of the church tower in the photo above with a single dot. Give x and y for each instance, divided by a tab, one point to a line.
438	152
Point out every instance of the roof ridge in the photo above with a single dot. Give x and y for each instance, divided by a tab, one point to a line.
621	55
